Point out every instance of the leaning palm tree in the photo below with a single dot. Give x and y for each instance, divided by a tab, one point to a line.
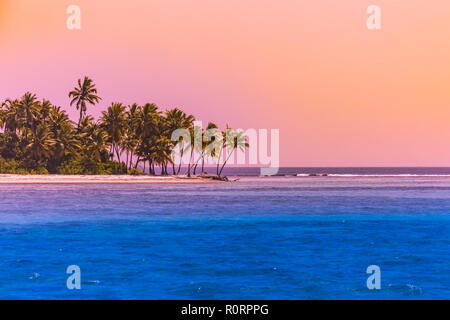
84	93
234	140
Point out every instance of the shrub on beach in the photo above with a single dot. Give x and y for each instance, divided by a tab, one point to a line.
9	167
111	167
15	167
89	166
135	172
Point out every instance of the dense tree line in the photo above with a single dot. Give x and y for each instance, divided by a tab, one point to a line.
39	137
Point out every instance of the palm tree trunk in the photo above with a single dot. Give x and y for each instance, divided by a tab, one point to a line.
218	160
137	162
181	159
81	116
195	168
203	163
118	158
189	165
117	153
111	152
223	166
195	164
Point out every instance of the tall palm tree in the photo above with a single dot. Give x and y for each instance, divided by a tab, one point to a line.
177	119
84	93
113	122
205	144
147	131
28	111
147	120
196	133
131	139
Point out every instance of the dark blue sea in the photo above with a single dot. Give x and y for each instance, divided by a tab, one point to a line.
258	238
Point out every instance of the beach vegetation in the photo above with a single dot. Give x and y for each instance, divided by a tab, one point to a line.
38	137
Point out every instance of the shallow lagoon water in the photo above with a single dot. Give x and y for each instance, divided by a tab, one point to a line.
259	238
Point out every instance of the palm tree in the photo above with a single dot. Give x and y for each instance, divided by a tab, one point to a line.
131	139
177	119
57	120
146	120
35	133
147	131
44	109
9	116
205	144
84	93
195	147
97	144
40	147
113	122
161	154
66	141
234	140
129	143
28	111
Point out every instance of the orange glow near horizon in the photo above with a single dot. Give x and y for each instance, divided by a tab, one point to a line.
340	94
3	13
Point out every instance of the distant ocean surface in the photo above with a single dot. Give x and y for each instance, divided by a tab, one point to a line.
342	171
260	238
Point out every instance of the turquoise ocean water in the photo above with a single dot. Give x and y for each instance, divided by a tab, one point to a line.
259	238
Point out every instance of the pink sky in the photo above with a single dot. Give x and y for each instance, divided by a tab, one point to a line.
340	94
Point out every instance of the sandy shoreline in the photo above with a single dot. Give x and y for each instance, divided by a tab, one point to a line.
60	179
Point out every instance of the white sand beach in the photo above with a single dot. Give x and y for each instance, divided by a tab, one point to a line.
60	179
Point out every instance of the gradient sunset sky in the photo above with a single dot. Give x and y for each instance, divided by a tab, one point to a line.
341	95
